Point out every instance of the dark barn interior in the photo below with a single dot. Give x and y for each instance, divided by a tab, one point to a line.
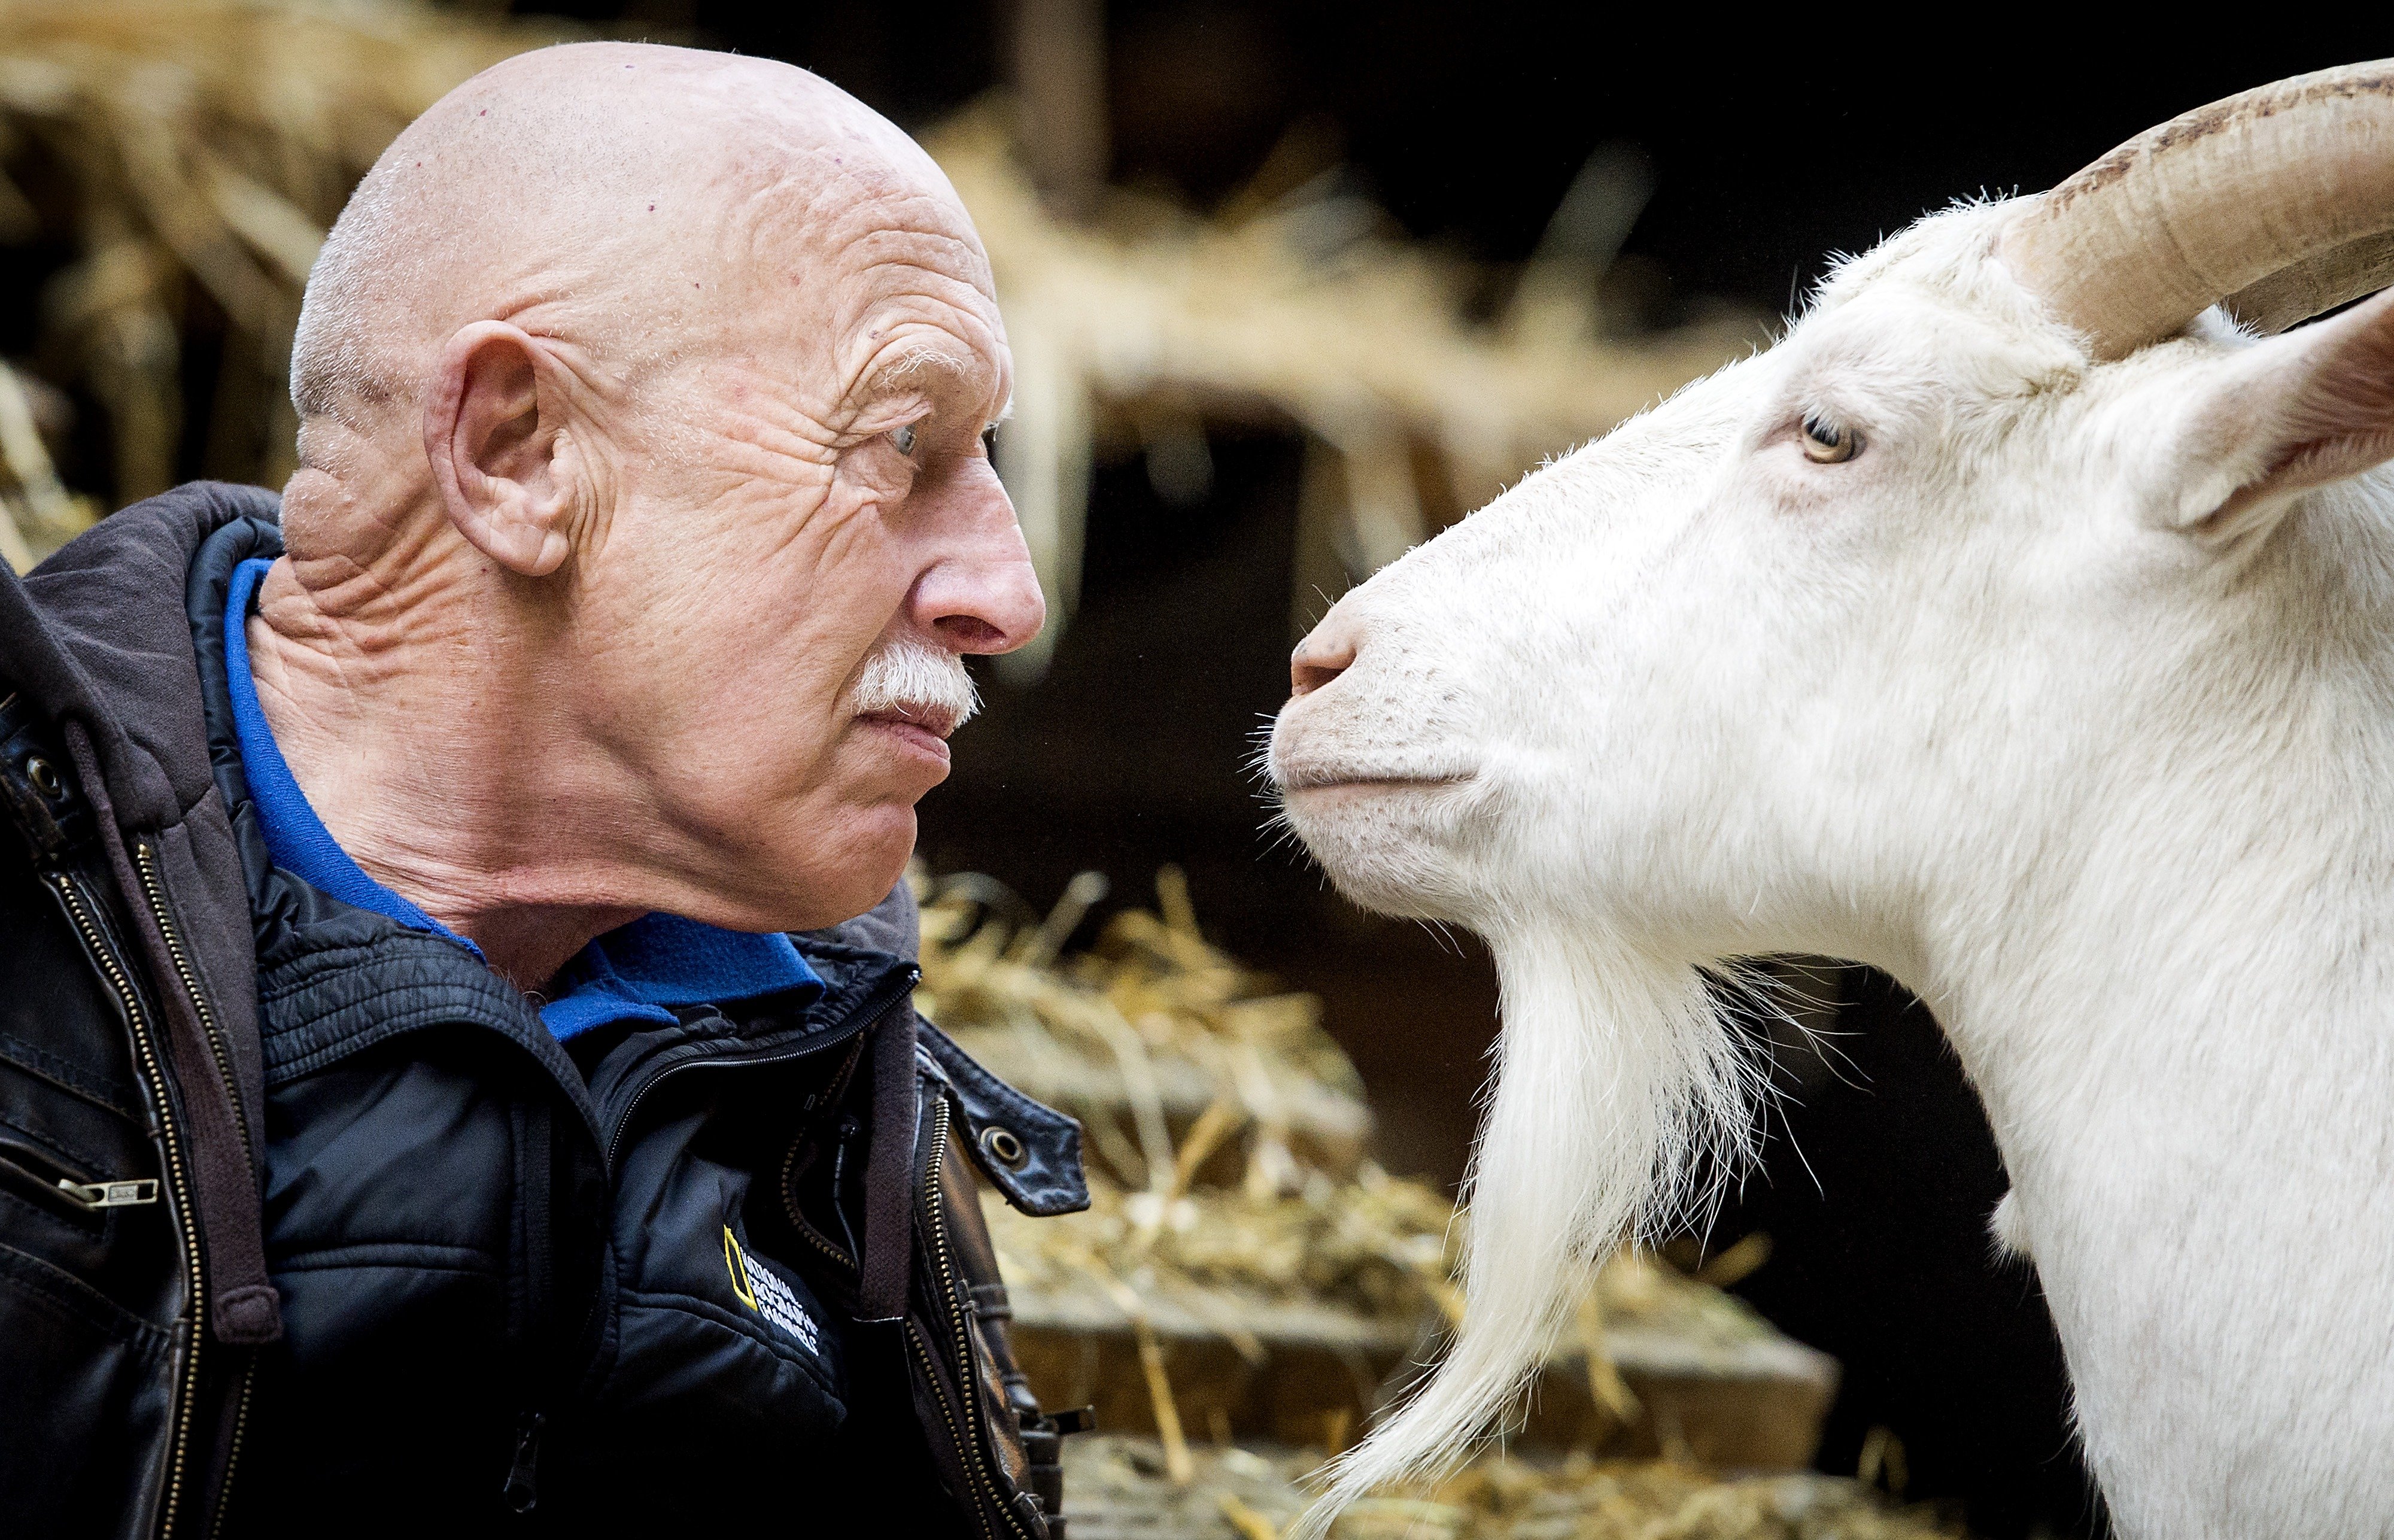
1768	148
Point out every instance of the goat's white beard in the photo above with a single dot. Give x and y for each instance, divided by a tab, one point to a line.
922	682
1619	1098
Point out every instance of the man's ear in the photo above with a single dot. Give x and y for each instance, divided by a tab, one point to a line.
499	456
2296	412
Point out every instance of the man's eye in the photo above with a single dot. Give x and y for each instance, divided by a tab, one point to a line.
905	438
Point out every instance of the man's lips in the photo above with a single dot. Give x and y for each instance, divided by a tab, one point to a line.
925	732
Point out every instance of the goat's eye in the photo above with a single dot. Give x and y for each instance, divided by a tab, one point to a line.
1827	443
904	437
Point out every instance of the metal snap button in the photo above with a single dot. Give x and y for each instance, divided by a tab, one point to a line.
1004	1148
45	777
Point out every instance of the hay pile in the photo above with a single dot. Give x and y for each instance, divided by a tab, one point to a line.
1152	1012
1117	1489
190	156
1217	1209
1211	1207
1378	1246
1169	1050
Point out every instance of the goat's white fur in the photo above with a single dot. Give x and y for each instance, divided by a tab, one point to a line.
1593	1129
2010	1235
2003	705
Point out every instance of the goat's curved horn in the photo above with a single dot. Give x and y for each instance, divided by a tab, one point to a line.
2279	202
2318	283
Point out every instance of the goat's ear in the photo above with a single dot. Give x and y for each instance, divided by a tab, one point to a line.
2296	412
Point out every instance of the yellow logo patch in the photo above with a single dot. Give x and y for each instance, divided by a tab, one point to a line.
764	1293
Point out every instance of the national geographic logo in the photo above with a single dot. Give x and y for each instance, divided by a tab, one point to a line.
759	1290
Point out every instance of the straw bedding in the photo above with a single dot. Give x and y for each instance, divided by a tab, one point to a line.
1119	1489
1152	1004
1223	1218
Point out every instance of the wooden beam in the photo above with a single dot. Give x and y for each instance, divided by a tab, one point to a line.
1060	83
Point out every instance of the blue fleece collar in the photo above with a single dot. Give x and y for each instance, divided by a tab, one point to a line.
636	972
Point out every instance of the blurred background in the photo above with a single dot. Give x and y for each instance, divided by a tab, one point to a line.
1292	286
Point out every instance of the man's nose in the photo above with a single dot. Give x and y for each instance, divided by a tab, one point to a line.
1326	652
982	594
984	606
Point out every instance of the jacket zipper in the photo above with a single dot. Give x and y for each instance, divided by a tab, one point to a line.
232	1457
64	1184
961	1438
177	1182
945	1259
867	1012
536	1178
145	856
807	1232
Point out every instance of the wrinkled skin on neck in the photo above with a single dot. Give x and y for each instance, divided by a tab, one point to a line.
682	415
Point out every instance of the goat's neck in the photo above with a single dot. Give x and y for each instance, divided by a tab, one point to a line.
2177	1000
2195	1104
2167	932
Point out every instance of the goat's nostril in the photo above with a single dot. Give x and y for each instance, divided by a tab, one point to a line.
1319	659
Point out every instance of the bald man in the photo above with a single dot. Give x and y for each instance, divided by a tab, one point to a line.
457	1064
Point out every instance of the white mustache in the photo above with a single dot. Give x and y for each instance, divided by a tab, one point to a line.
908	677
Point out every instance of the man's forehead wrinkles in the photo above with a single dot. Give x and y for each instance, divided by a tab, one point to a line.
957	252
814	212
897	293
895	202
832	214
878	288
893	289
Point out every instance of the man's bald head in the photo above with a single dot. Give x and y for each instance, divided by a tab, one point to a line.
644	401
624	197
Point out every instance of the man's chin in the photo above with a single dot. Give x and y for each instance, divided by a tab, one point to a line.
868	865
815	865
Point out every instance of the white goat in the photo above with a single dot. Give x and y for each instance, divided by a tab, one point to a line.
2019	625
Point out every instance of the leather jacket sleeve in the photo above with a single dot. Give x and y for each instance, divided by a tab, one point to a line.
104	1421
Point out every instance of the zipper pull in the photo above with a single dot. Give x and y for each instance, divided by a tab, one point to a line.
522	1491
849	1128
109	1194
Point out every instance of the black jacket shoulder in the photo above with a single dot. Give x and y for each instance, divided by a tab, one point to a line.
220	1226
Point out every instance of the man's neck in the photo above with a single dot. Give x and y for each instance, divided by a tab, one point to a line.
435	758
